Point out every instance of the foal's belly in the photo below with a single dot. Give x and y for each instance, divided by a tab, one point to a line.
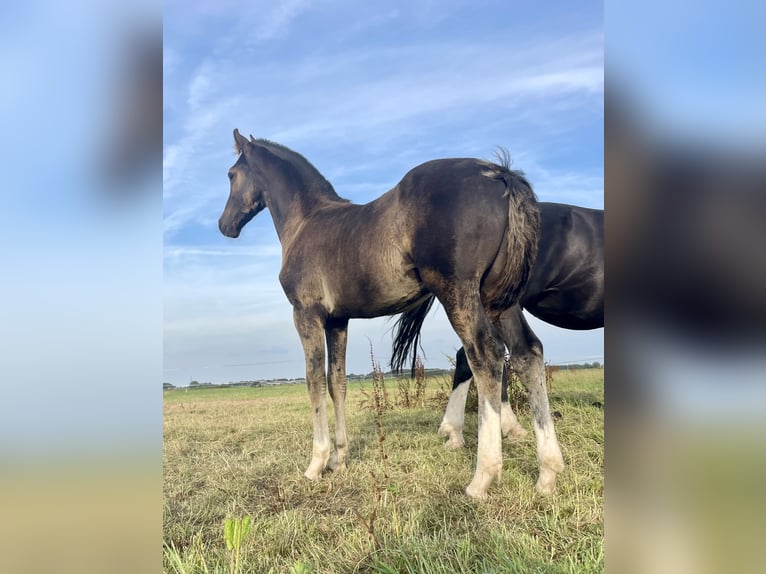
368	299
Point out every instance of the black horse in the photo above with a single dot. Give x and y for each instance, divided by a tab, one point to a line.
342	261
566	289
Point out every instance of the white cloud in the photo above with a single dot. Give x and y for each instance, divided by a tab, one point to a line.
181	159
576	188
276	17
178	252
199	88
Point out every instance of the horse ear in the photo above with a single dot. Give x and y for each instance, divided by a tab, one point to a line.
252	139
240	142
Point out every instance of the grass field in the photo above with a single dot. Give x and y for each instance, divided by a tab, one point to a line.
240	452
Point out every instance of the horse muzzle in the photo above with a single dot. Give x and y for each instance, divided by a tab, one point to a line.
228	229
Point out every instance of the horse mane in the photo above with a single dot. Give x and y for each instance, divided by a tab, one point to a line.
274	144
302	163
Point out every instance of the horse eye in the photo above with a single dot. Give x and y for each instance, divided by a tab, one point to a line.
231	175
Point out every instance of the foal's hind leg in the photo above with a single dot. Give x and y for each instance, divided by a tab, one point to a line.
484	351
454	415
310	328
527	362
337	334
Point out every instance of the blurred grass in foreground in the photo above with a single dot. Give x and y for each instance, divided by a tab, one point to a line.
80	517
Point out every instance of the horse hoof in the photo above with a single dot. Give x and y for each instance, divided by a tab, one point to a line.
475	493
335	466
546	486
313	476
454	443
515	433
545	489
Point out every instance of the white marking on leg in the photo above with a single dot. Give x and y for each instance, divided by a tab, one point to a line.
321	444
337	462
489	461
549	457
509	424
454	415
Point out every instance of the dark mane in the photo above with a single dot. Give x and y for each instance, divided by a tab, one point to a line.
300	162
273	144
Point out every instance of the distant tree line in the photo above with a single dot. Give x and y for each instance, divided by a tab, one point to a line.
575	366
431	372
207	385
353	377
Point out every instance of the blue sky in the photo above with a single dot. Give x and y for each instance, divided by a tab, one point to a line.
365	93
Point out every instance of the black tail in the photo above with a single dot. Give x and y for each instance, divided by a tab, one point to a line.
407	335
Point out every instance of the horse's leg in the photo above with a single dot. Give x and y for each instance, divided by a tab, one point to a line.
454	415
508	325
337	334
310	328
484	351
509	424
527	361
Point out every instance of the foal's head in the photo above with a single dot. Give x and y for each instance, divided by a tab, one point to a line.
247	184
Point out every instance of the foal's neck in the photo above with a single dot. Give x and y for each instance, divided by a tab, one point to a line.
294	195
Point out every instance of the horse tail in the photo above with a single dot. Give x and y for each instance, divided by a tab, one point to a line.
407	334
523	233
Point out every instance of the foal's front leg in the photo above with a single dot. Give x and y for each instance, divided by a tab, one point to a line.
310	328
454	415
337	333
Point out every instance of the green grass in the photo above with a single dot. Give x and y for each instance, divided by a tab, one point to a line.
231	453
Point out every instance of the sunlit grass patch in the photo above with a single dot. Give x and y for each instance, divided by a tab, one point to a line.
234	453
